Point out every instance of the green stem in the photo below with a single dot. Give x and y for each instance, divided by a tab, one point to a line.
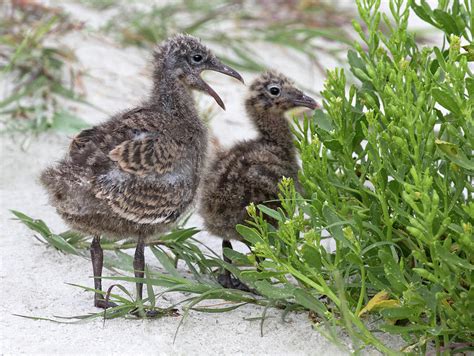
362	290
324	289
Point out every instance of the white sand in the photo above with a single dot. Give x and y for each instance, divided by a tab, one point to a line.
33	277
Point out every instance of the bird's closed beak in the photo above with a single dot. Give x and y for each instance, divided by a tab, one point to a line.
306	101
220	67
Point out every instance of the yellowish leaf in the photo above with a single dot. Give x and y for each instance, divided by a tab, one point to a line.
378	302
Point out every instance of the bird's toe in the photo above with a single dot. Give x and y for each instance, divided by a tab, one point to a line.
148	314
227	281
101	303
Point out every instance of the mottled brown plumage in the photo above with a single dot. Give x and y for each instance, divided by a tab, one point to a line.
250	171
138	172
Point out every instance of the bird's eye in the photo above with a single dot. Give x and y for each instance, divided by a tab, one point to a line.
275	91
197	58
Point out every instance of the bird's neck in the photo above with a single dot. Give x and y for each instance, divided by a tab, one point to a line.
274	127
170	93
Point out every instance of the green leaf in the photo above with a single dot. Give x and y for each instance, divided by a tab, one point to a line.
470	87
408	330
354	258
311	256
270	212
249	234
56	241
180	235
355	61
393	272
270	291
446	100
451	259
33	224
323	120
165	261
308	301
440	58
121	260
446	21
333	145
72	236
400	313
336	229
423	14
237	257
149	286
62	245
253	276
361	75
454	154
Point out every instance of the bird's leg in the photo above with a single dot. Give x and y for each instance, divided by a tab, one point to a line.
97	257
139	267
226	279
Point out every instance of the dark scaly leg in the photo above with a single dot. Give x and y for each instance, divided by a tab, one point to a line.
226	279
97	256
139	267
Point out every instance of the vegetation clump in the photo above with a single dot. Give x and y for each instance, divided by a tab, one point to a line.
39	67
387	172
231	26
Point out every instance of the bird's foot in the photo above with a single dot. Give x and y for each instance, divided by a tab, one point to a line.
101	303
149	314
227	281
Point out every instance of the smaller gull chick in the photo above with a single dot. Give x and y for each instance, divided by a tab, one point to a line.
251	170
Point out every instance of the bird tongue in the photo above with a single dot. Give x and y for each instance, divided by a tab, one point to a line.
212	93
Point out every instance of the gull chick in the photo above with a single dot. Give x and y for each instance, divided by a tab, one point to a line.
251	170
137	173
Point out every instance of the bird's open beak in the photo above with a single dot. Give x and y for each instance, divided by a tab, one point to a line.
218	66
306	101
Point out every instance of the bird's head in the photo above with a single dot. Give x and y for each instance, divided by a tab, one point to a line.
274	92
187	57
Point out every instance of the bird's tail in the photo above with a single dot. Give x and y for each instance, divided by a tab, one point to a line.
54	180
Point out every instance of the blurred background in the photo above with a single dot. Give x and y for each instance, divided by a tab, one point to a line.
69	64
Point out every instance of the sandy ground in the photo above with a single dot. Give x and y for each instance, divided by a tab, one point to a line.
33	277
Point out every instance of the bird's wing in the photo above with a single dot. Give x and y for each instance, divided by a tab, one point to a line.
265	178
150	154
147	185
82	138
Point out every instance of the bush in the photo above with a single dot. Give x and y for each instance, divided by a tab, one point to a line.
387	173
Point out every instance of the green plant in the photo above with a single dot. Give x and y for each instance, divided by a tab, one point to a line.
169	249
387	172
35	102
